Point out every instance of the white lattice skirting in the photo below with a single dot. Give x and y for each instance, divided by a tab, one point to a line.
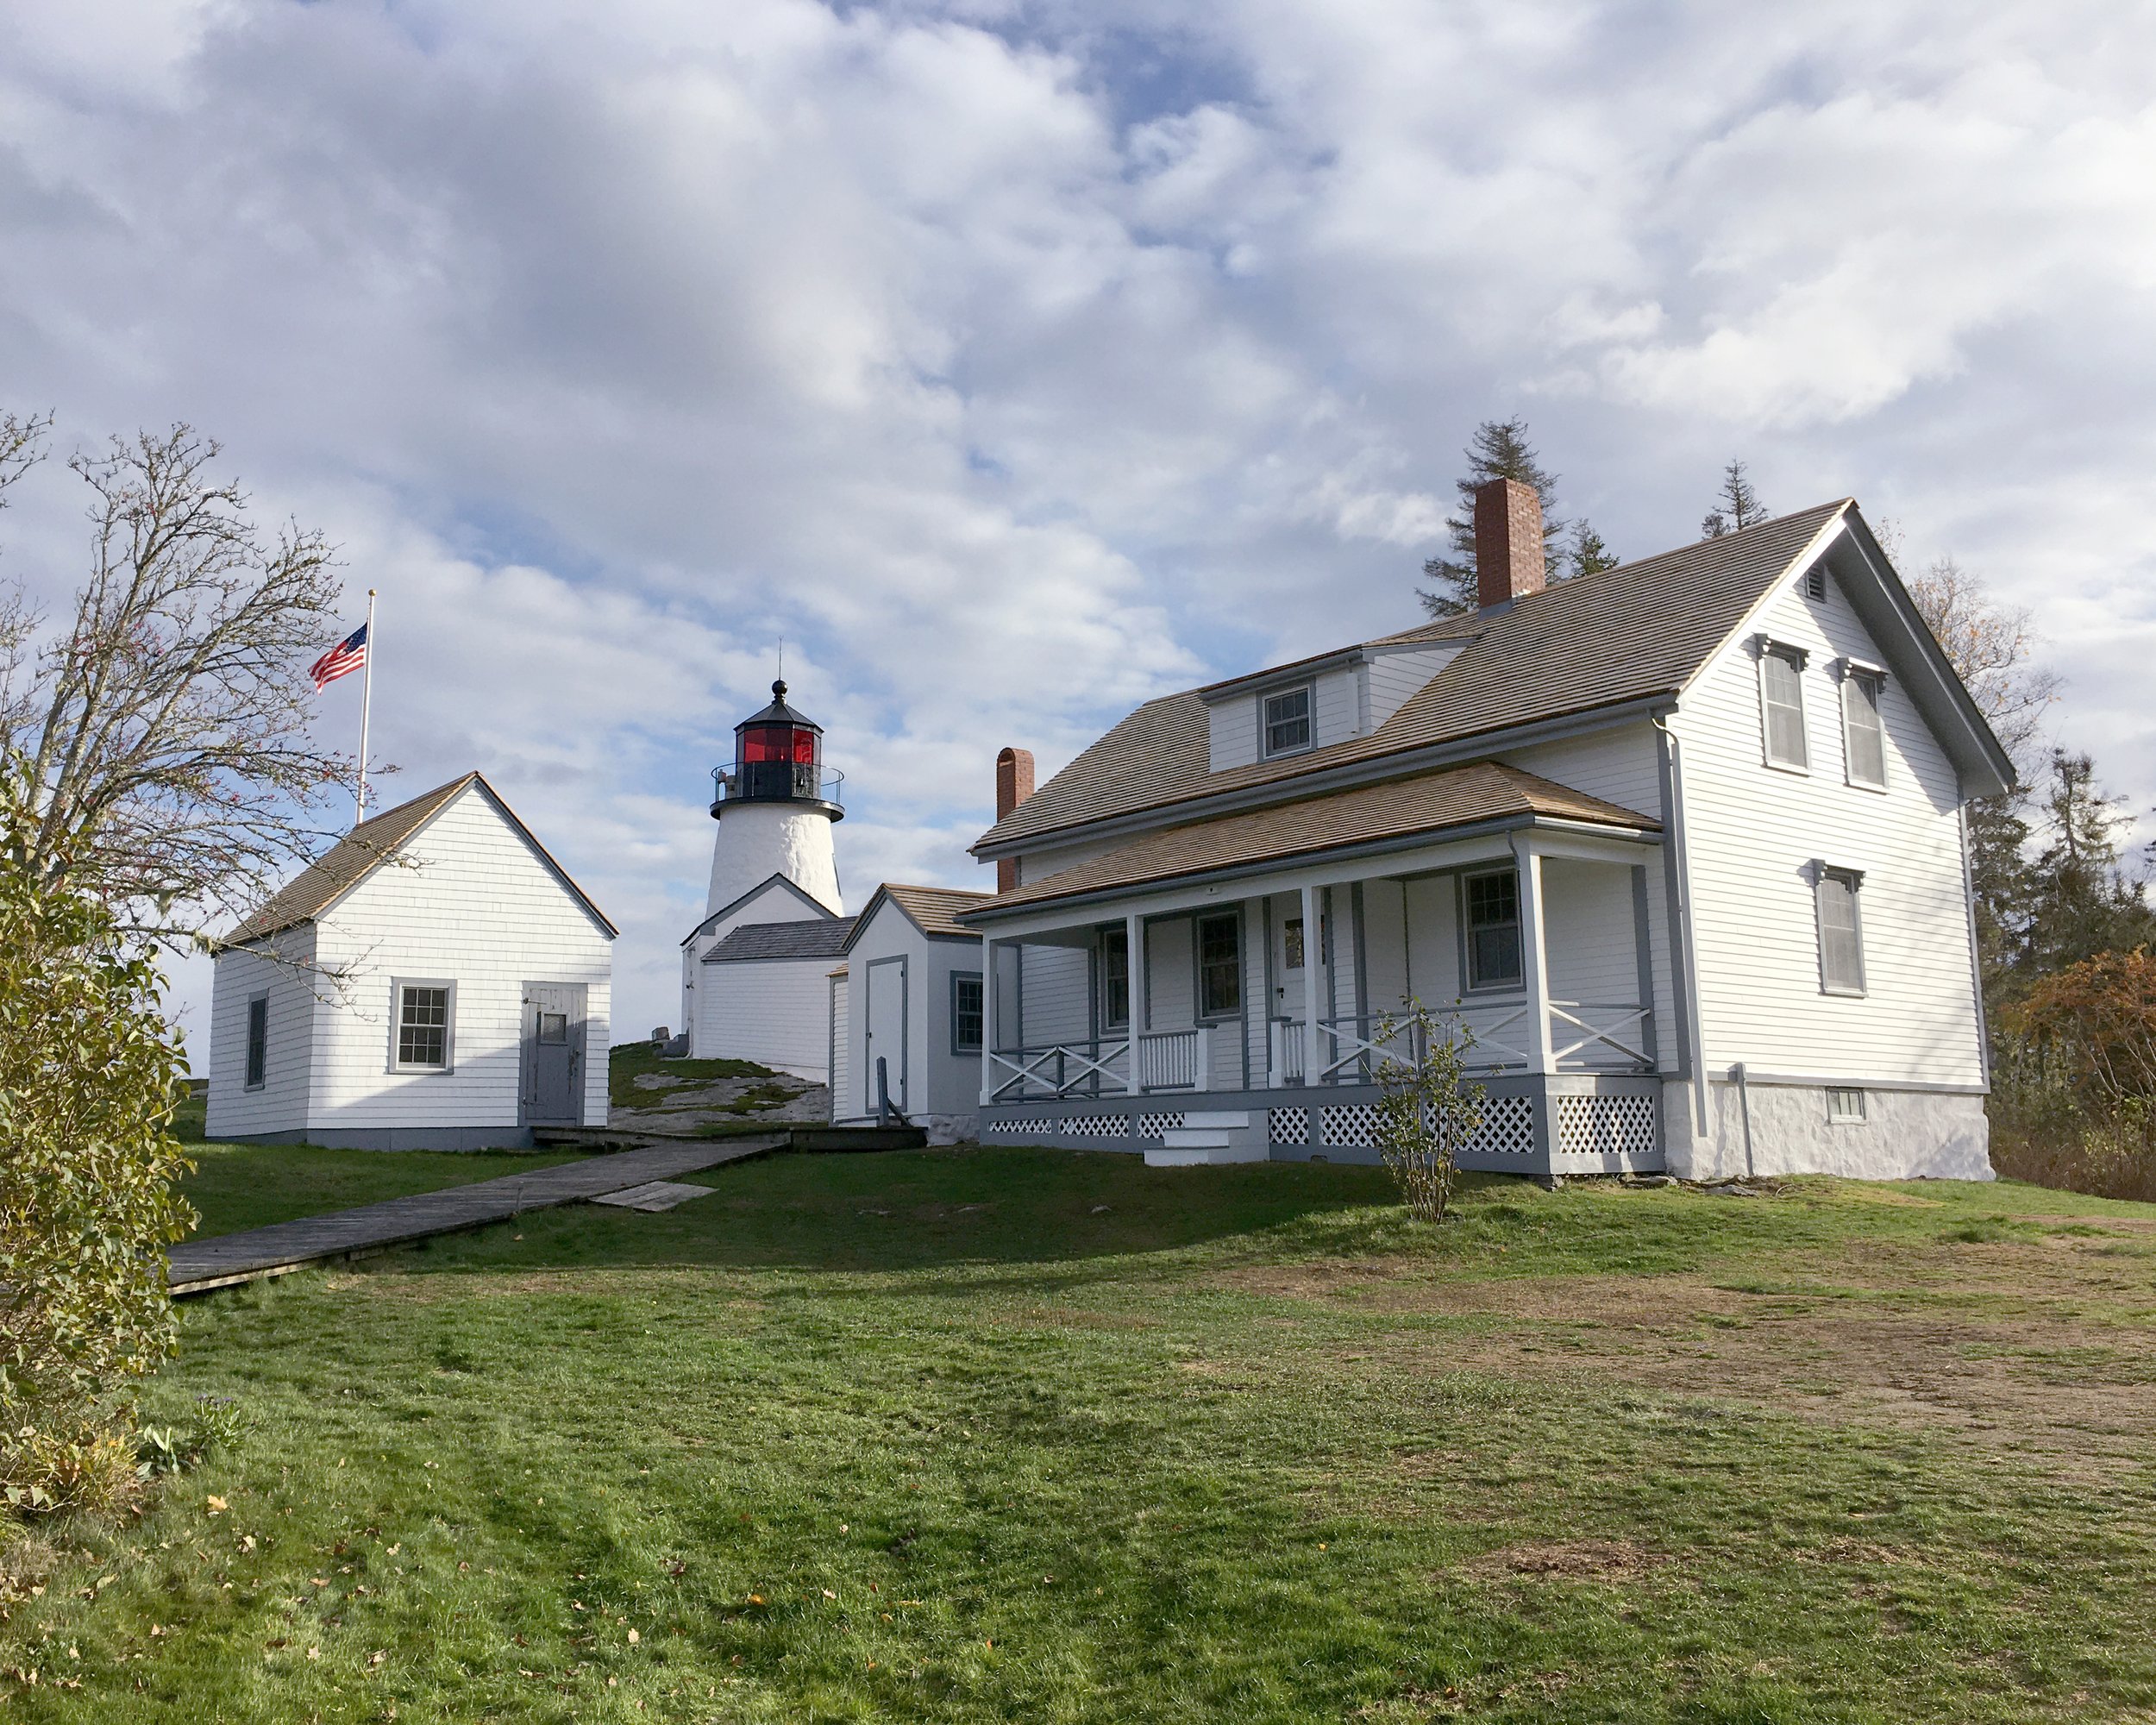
1606	1125
1158	1127
1029	1128
1507	1128
1288	1126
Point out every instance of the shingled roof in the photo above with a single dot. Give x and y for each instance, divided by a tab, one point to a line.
1640	629
934	910
813	937
367	848
1455	797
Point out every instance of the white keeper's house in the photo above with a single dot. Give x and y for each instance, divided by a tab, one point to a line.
434	981
1680	844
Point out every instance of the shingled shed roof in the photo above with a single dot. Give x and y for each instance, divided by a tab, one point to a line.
1640	629
816	937
1456	797
934	910
367	848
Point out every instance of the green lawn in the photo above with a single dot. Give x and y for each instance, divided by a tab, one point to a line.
1029	1435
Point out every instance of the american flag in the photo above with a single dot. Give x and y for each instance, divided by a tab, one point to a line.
347	655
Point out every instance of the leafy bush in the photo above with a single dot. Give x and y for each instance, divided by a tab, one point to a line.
2074	1092
1426	1111
87	1207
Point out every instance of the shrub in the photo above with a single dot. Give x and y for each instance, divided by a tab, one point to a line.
2074	1091
87	1078
1426	1111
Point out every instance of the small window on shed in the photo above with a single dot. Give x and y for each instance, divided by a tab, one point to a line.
966	1017
1863	733
1844	1107
1782	704
422	1026
1286	721
258	1042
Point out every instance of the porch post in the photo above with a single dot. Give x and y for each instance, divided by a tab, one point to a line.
1134	988
1534	970
1312	962
987	1016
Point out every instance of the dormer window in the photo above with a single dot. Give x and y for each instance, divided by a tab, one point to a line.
1285	720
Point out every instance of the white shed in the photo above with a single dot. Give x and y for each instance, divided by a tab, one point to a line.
909	998
434	981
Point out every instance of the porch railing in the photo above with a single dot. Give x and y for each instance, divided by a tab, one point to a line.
1167	1060
1584	1037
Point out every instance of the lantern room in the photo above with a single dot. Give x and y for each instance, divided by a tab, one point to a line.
778	758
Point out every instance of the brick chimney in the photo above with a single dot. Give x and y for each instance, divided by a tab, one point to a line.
1014	784
1507	542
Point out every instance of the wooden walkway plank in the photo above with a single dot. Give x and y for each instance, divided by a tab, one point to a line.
197	1266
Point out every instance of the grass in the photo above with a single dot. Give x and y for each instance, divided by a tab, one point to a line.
1018	1435
634	1060
238	1186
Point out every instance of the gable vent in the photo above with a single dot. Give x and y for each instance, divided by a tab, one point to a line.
1815	581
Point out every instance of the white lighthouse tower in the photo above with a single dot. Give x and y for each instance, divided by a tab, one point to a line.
755	972
774	807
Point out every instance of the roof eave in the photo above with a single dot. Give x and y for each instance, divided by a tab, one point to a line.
1364	770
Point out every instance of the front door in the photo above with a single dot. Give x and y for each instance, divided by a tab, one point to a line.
886	1040
553	1063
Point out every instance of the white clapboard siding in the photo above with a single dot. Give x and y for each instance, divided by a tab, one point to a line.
1055	997
1038	865
465	900
1234	732
1392	678
1754	830
942	1082
1590	933
839	1004
1337	708
284	974
1171	975
772	1011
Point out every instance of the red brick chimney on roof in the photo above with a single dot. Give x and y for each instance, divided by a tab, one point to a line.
1014	784
1507	542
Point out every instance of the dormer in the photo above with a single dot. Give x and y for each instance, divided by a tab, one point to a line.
1311	704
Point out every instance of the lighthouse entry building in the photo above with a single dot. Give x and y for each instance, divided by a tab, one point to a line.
755	972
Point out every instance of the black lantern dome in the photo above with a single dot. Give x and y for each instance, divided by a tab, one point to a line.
779	758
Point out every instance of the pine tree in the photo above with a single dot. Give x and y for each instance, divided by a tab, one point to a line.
1736	505
2082	900
1499	450
1589	555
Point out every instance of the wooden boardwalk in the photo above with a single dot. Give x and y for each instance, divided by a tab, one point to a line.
201	1264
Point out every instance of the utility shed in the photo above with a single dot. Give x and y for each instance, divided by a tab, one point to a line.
764	994
436	981
909	999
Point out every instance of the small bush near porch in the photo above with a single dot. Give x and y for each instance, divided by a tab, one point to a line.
1014	1435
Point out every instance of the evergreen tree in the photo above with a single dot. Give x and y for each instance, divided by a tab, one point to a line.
1499	450
1736	505
2081	901
1589	555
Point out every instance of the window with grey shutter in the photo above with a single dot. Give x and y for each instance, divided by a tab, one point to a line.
1782	704
1840	932
258	1042
1863	733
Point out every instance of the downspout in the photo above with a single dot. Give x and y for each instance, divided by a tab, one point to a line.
1677	878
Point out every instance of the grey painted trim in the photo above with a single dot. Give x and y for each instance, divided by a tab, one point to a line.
1813	1081
1198	1013
1643	954
1300	670
906	1032
397	987
1976	955
255	1086
1362	953
1369	770
1308	685
395	1137
958	1049
1345	853
1676	885
1460	878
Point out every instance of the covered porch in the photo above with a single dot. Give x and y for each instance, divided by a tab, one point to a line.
1253	998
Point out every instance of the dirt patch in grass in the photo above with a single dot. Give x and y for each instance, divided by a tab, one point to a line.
1600	1560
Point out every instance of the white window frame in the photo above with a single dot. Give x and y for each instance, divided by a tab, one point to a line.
1766	648
1846	1106
1855	672
248	1080
1308	691
1471	981
397	987
1853	879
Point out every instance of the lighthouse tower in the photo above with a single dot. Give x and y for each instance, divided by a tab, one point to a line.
774	807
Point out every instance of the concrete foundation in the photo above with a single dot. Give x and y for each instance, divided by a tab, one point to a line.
1905	1134
396	1138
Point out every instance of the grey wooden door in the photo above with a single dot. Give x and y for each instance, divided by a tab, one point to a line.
886	1037
553	1063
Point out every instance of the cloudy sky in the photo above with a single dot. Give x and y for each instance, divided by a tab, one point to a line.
1015	362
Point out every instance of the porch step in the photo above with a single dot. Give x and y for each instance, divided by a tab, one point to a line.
1204	1138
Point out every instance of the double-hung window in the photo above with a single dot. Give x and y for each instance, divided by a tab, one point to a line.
1220	965
1490	915
1864	734
966	1016
1285	720
1840	929
425	1018
258	1042
1115	978
1781	704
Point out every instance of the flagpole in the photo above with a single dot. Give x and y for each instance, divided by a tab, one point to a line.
366	705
